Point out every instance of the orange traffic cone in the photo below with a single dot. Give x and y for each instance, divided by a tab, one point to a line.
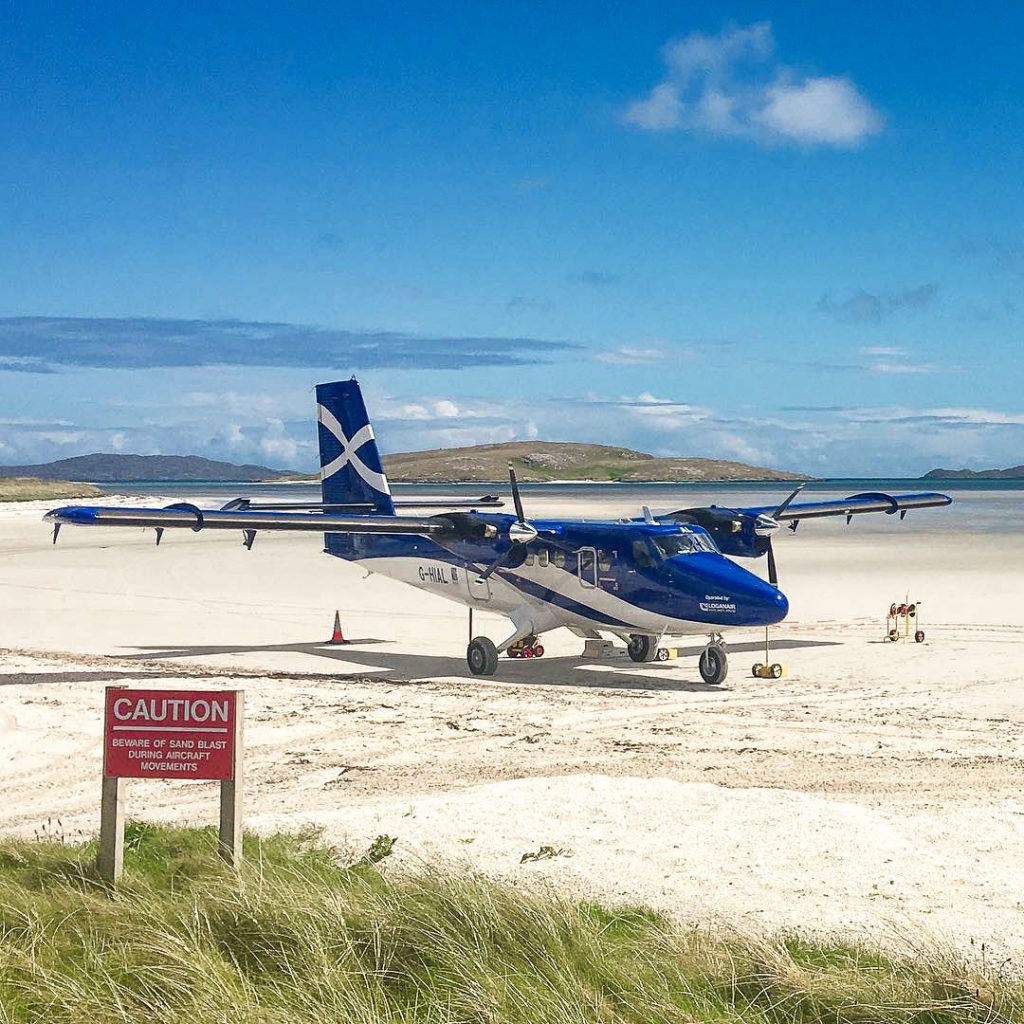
338	637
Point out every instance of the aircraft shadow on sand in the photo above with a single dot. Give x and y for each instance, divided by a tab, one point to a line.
615	673
71	676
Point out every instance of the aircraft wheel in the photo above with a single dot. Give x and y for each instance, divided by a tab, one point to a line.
482	657
894	635
713	664
642	647
776	671
756	670
661	654
919	636
527	652
538	651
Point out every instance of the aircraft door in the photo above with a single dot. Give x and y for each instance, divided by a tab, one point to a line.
478	590
586	566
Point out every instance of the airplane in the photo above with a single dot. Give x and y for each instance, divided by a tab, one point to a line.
640	579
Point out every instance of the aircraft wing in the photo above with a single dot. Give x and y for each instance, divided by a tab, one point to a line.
855	504
189	517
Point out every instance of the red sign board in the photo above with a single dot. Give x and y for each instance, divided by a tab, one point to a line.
169	734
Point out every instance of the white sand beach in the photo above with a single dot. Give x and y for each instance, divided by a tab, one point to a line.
874	791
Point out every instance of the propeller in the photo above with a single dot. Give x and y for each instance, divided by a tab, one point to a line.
520	533
771	523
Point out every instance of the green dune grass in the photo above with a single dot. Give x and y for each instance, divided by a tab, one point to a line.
27	488
301	935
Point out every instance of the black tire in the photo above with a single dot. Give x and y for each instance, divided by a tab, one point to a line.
482	657
919	636
642	647
713	664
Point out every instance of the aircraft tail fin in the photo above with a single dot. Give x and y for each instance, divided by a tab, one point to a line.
350	468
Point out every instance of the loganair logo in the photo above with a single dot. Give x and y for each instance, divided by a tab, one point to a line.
717	603
349	451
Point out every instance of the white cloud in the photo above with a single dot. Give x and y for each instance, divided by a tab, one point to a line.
883	350
731	84
819	110
908	367
277	447
660	110
629	356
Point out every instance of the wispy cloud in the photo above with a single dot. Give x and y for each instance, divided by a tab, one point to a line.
41	344
732	85
909	366
863	306
629	356
883	350
24	364
950	417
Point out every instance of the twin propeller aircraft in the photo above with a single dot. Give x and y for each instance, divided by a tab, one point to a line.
639	579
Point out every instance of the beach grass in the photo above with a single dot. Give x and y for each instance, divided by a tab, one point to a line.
304	933
28	488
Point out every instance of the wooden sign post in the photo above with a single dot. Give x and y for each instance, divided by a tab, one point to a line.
170	734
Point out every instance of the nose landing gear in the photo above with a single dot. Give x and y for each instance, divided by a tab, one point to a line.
714	661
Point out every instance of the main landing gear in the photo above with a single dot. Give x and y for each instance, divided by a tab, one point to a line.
643	648
482	656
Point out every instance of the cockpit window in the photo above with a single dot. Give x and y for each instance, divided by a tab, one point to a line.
670	545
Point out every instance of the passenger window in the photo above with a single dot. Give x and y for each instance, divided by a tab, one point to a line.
542	557
604	561
529	558
559	559
587	567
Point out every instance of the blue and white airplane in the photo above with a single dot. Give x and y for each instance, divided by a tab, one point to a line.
639	579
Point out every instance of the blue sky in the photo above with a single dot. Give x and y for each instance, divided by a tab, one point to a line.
786	234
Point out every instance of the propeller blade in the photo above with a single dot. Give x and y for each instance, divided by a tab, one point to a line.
515	493
501	561
773	575
782	508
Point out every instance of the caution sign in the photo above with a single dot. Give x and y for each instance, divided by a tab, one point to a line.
177	734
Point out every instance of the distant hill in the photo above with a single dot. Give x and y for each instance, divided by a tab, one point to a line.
1013	473
113	468
538	461
535	462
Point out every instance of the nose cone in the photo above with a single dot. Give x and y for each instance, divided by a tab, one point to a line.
779	605
726	594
